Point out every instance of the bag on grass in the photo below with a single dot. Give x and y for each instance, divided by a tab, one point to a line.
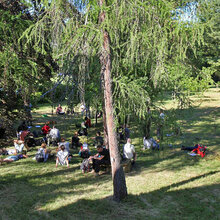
85	165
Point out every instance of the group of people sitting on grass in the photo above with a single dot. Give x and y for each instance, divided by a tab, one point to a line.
24	140
102	158
63	156
52	135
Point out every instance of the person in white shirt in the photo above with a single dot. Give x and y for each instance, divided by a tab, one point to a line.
150	143
62	157
66	145
54	136
129	151
19	145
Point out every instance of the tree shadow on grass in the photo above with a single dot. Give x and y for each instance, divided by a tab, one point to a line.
169	202
151	159
43	192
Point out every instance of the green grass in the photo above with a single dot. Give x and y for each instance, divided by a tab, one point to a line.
166	184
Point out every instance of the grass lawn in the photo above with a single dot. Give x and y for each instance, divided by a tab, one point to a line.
165	184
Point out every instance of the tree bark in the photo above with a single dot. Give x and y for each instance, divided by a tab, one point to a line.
119	184
105	128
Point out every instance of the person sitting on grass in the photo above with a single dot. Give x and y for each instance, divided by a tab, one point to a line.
129	151
127	131
13	158
75	141
150	143
24	137
59	110
102	157
83	130
98	139
88	122
84	151
19	145
66	145
46	130
62	157
54	136
43	153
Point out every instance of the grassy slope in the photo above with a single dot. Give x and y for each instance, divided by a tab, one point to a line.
168	184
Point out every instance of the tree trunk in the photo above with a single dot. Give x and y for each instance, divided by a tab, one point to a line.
119	184
105	128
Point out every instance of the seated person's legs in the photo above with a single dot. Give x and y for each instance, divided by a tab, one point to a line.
97	163
188	148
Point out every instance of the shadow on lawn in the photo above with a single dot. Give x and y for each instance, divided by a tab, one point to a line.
172	160
168	202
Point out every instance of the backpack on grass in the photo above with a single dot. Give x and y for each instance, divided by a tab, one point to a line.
85	166
201	150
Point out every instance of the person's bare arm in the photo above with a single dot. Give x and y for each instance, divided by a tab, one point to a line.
57	161
67	162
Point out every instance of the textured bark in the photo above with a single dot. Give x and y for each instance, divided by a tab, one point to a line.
105	128
119	184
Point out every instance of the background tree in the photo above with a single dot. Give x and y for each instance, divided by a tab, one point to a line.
22	68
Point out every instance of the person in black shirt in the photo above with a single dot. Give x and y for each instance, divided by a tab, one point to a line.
98	140
102	157
75	141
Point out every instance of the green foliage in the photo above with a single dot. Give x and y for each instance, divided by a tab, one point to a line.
207	56
149	50
21	67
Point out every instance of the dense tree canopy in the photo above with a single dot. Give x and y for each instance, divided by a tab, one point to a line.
22	68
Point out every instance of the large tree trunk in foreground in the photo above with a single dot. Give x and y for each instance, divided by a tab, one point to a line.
119	184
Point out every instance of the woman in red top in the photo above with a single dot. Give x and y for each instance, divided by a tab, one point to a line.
46	129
